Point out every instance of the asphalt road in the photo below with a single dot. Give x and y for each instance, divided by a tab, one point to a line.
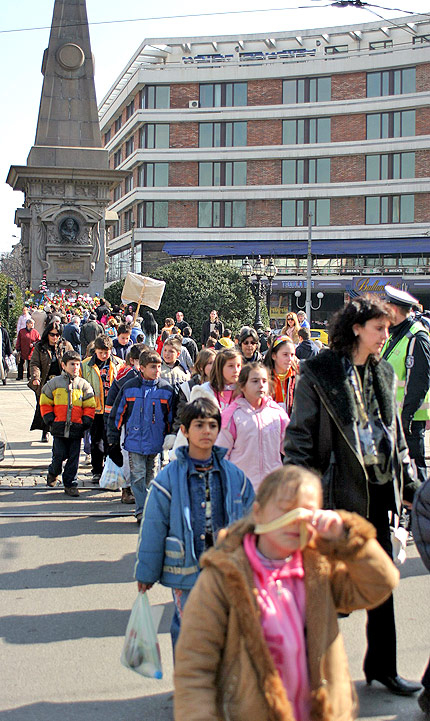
66	589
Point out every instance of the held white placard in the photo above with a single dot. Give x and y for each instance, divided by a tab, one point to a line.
143	290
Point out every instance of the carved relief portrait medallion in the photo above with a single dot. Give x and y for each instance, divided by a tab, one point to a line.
69	230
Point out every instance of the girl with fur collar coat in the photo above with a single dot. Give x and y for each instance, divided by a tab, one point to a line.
260	638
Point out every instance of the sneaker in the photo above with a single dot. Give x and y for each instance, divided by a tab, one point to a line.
51	480
127	496
96	478
71	491
424	702
139	518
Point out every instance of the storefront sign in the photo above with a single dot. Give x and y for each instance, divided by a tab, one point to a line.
376	285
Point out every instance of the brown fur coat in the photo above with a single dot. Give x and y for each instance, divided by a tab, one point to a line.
223	668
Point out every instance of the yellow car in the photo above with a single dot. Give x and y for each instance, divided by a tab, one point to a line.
319	334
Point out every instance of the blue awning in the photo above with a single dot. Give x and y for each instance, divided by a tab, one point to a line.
291	248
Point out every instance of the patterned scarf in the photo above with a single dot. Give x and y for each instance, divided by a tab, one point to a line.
375	440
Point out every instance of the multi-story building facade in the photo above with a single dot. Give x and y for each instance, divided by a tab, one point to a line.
233	144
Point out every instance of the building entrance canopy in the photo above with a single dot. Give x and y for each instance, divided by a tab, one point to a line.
377	246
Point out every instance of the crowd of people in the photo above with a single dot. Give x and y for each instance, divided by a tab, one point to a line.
264	470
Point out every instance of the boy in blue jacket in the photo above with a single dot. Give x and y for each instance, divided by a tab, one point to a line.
144	405
189	501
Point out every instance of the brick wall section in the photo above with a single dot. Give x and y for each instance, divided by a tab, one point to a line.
347	211
348	86
264	132
263	213
422	121
183	214
263	172
183	174
422	207
423	77
184	135
422	163
348	128
181	94
347	169
265	92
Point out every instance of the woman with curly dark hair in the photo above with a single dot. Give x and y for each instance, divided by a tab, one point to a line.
345	424
45	363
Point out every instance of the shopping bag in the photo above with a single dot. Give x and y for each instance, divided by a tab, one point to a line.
141	651
112	477
12	364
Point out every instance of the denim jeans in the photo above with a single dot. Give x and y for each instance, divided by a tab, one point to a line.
142	471
180	597
65	449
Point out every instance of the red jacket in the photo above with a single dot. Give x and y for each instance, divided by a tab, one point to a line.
25	342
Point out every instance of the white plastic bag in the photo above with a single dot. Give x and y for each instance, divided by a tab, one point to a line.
112	477
12	364
141	651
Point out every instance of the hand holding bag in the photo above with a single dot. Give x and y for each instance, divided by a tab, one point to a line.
112	477
141	651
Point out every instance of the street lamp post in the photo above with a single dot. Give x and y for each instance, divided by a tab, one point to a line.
132	246
320	296
307	307
260	278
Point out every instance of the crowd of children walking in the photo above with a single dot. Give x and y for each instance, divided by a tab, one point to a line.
258	570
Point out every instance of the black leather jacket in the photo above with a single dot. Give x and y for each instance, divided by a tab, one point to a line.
322	434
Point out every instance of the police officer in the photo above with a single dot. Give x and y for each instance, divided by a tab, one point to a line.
408	351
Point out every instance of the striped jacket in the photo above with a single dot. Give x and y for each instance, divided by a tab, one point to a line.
67	405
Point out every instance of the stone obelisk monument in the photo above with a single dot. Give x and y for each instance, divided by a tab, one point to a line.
66	181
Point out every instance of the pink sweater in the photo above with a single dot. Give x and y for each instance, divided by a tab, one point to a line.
281	600
254	437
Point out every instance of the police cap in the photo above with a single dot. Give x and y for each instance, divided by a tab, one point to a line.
400	297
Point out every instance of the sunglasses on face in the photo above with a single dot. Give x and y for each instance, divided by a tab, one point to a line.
54	335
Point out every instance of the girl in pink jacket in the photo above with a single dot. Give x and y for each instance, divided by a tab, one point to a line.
253	426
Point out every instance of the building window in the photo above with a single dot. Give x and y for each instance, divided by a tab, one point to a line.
380	44
155	96
129	146
308	170
127	219
225	173
222	214
306	130
296	212
153	175
220	95
115	229
129	110
117	158
153	214
154	135
390	209
107	136
117	193
390	125
391	82
222	135
118	123
306	90
335	49
390	166
129	183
